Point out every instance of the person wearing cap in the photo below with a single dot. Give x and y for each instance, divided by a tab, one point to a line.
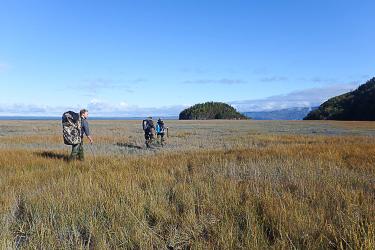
77	150
149	129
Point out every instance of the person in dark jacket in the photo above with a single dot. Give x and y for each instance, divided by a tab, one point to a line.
149	129
77	150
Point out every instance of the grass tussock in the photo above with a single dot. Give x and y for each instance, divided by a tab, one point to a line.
264	191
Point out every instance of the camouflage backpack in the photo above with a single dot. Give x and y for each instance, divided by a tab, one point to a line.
71	123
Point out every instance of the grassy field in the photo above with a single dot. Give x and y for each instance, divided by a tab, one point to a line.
215	185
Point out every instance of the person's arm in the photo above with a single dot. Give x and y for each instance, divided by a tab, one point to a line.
90	139
87	131
144	125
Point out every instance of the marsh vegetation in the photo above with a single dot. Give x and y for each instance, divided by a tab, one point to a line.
216	184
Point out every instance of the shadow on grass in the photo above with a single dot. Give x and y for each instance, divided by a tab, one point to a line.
128	145
53	155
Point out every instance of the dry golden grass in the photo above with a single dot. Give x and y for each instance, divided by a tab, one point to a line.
224	185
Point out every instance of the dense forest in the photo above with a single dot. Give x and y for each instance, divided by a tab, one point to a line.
211	110
357	105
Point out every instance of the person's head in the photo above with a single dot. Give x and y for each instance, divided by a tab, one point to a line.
149	118
160	121
84	113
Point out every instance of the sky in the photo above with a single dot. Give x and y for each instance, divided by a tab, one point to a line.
138	58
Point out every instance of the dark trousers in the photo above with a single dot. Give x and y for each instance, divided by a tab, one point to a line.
77	152
149	137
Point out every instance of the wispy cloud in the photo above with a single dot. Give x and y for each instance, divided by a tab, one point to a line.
194	70
21	109
365	77
137	80
198	70
98	84
274	79
103	108
260	71
303	98
317	79
95	106
225	81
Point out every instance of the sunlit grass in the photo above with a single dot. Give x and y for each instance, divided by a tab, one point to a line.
226	186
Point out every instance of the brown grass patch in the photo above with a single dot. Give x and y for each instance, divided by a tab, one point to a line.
259	191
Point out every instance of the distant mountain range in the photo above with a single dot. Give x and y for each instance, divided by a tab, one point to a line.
297	113
357	105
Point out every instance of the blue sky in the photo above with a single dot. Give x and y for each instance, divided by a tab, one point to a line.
132	58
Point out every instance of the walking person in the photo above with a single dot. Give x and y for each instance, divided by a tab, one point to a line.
160	131
149	129
77	149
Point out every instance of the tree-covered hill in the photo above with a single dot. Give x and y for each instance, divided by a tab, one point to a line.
211	110
357	105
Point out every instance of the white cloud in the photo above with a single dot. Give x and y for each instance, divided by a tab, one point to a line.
216	81
96	107
302	98
124	104
21	109
102	108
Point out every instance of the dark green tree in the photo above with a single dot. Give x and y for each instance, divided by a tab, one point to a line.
211	110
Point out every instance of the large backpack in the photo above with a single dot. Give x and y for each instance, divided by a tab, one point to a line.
148	125
71	123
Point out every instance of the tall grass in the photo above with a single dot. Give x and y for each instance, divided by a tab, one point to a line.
253	191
